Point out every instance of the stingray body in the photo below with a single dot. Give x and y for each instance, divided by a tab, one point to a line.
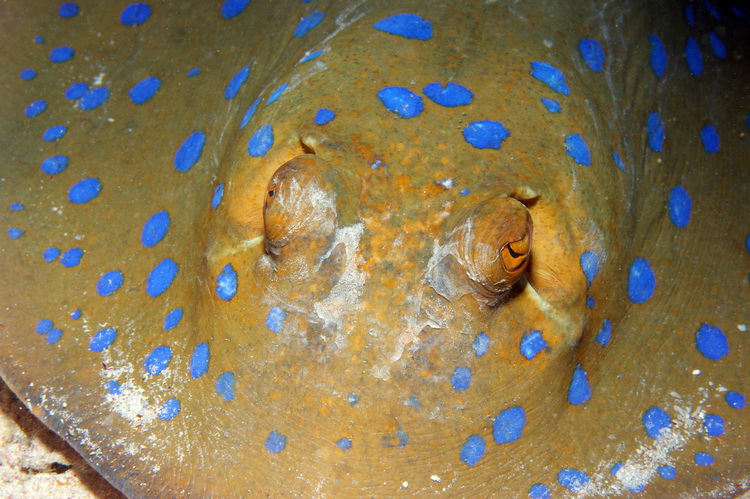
380	248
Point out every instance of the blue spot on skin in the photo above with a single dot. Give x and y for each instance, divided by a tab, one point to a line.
472	450
579	390
233	87
169	410
19	207
226	283
61	54
539	491
717	45
199	360
72	257
532	343
68	10
679	206
655	421
157	360
39	39
590	264
711	342
481	344
93	98
275	319
50	254
576	149
27	74
35	108
276	442
658	56
641	281
44	326
413	402
76	314
103	339
277	93
407	25
308	23
309	57
135	14
735	400
485	134
452	95
261	142
590	302
225	386
113	388
592	54
352	398
461	379
190	151
551	76
616	468
155	229
218	194
508	425
552	105
15	233
666	472
233	8
704	459
712	9
109	283
693	56
401	101
714	425
605	333
54	164
161	277
710	139
690	15
194	72
573	480
250	112
54	133
655	130
54	336
324	116
344	444
172	319
144	90
76	91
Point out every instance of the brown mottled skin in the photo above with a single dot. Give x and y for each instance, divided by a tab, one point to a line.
373	306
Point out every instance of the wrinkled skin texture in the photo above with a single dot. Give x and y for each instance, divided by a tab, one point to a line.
379	300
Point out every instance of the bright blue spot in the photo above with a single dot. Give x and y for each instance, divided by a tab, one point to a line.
472	450
590	264
233	8
144	90
103	339
93	98
27	74
61	54
618	160
39	39
35	108
68	10
344	444
481	344
225	386
308	23
161	277
714	425
572	479
352	398
54	133
508	425
54	336
406	25
199	360
485	134
169	410
84	191
552	105
311	56
655	421
710	138
276	442
704	459
605	333
277	93
666	472
157	360
735	400
655	130
590	302
617	466
679	206
19	207
172	319
401	101
275	319
44	326
717	45
658	55
233	87
324	116
226	283
576	149
54	164
135	14
539	491
690	15
641	281
532	343
194	72
250	112
452	95
50	254
155	229
109	282
693	56
76	91
190	151
579	390
113	388
550	75
711	342
461	379
15	233
71	257
592	54
76	314
261	142
218	194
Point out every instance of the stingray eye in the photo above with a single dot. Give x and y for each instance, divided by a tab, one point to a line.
269	197
515	254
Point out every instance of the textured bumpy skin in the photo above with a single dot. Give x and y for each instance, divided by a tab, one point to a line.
380	328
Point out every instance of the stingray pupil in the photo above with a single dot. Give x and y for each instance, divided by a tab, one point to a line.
270	193
513	253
